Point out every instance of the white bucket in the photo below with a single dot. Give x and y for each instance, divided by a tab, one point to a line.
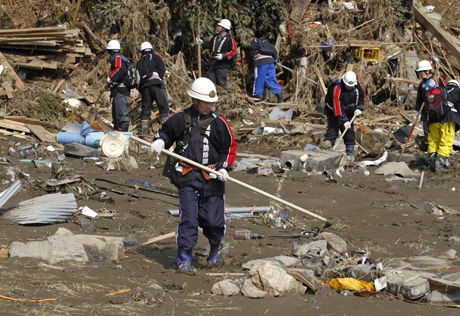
114	144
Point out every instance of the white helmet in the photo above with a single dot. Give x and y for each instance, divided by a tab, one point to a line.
453	83
350	79
424	65
203	89
145	46
113	45
226	24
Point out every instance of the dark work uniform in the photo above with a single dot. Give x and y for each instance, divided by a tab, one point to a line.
153	89
201	201
341	104
218	69
118	92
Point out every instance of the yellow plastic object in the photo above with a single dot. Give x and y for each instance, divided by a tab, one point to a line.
351	284
369	54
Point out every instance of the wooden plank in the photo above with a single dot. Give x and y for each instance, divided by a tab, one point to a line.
25	120
41	133
39	64
300	6
444	285
21	127
34	48
58	85
415	83
449	41
35	29
17	82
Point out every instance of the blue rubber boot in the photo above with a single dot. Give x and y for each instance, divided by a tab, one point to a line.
214	253
184	257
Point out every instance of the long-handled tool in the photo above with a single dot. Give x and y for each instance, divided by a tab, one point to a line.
411	130
199	45
159	238
193	163
96	109
341	136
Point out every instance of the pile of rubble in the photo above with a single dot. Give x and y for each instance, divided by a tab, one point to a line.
327	263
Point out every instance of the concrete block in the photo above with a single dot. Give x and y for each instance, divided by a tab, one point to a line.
443	298
317	159
362	272
334	242
50	251
426	262
98	248
411	288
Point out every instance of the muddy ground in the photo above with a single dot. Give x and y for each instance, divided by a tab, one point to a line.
387	218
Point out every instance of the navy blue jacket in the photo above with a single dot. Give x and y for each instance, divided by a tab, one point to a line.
219	147
253	51
158	66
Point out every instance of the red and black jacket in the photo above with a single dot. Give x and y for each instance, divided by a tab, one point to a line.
342	102
118	71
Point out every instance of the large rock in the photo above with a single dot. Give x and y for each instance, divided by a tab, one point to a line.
301	251
443	298
412	285
269	277
248	265
50	251
250	290
334	242
226	287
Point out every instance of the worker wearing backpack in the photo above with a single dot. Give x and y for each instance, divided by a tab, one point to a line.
223	48
151	70
439	115
119	93
264	56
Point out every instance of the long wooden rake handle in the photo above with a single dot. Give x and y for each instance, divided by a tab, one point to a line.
193	163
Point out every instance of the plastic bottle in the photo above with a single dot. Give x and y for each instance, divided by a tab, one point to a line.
346	293
24	153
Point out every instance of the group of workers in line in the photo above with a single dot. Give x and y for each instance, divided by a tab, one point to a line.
205	137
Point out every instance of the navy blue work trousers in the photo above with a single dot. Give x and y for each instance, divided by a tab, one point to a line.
196	210
332	131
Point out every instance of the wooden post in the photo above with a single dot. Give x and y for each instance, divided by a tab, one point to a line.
76	13
199	45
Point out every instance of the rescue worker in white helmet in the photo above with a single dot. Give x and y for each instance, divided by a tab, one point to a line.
205	137
119	93
151	71
439	114
344	99
223	48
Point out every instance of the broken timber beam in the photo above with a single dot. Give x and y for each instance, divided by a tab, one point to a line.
449	41
300	6
18	83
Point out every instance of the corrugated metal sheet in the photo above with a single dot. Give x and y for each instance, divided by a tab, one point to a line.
10	192
44	209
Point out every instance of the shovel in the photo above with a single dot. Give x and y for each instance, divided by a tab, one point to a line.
341	136
208	170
